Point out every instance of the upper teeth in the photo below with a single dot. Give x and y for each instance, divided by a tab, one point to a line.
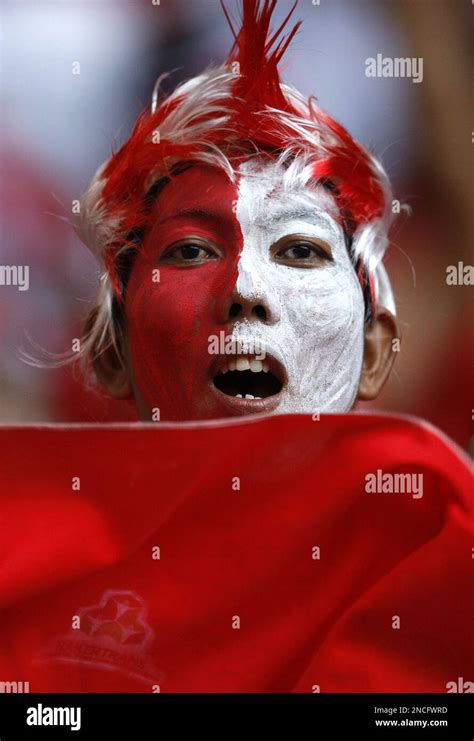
243	364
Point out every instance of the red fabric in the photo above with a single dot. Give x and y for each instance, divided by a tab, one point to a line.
226	552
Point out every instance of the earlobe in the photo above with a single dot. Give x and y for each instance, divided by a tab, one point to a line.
112	374
381	343
110	366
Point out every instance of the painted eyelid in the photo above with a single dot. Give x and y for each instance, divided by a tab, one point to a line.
319	249
190	242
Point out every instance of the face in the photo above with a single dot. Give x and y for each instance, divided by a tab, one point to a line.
243	300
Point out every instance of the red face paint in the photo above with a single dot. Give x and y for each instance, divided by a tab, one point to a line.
169	322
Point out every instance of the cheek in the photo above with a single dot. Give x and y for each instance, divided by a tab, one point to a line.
169	311
324	319
324	336
169	323
323	302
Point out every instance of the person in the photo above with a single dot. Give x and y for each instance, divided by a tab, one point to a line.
241	233
243	544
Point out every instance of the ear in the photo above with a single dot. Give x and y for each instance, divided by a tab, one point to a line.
110	365
381	343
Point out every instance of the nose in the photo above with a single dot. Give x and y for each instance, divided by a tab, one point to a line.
241	308
252	300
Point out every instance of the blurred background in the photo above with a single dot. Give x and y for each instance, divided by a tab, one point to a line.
58	127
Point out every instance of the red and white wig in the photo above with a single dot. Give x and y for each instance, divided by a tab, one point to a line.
222	117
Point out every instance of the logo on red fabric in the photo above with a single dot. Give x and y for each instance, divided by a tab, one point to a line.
114	635
120	616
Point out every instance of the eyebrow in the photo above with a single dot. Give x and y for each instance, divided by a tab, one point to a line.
292	215
193	213
304	214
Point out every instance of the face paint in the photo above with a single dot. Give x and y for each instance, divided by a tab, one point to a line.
169	322
308	320
317	324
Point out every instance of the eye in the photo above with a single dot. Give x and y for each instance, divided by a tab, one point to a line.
301	252
190	252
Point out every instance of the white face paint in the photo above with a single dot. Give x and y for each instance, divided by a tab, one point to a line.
315	315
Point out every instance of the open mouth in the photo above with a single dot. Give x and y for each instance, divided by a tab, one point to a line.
249	378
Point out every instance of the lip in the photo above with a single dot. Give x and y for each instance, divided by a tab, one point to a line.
249	406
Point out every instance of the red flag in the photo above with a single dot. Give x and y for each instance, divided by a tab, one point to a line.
275	554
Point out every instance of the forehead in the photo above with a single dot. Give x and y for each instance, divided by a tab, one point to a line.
272	198
261	194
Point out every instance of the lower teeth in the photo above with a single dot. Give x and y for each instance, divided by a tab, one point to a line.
247	396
